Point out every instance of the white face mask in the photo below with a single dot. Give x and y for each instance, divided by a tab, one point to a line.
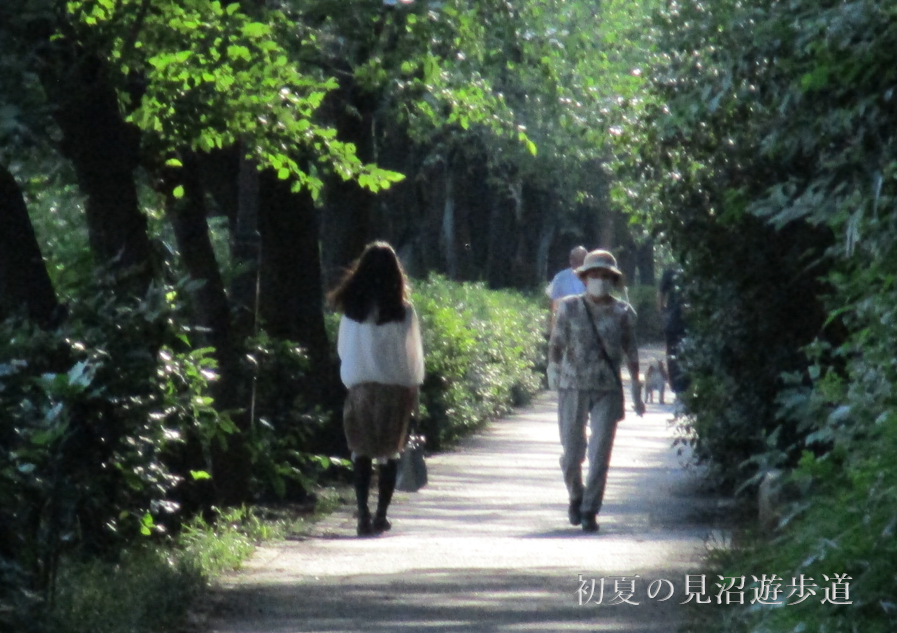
599	287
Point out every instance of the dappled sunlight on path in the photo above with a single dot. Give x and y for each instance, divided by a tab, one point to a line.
486	545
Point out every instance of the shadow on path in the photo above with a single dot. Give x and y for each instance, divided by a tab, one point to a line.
487	547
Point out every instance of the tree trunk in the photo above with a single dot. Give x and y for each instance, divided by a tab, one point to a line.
546	237
291	289
399	214
606	230
345	226
348	208
220	171
448	224
645	263
431	193
105	152
291	296
24	282
188	218
534	228
245	244
501	244
231	468
626	249
479	203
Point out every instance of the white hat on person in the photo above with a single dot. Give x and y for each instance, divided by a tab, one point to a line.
599	259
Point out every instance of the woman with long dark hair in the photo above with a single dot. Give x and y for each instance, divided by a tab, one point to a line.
382	365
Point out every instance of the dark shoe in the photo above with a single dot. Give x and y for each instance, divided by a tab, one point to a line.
574	513
589	522
380	525
365	527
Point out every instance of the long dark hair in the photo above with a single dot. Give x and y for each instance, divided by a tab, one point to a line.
375	280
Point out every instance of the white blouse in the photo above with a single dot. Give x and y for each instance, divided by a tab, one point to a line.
390	354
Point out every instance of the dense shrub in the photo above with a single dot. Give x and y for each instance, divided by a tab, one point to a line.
109	428
485	352
694	158
92	410
152	586
749	313
286	421
770	132
845	527
846	521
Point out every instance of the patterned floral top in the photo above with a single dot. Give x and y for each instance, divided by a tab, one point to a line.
575	349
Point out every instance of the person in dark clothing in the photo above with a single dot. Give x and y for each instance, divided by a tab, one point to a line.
669	303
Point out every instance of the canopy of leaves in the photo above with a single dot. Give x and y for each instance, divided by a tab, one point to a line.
211	76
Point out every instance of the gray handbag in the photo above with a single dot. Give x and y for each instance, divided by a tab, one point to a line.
412	474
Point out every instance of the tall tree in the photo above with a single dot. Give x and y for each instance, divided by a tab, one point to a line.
24	282
104	149
231	465
291	288
105	152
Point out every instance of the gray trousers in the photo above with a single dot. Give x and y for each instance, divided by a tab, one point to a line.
600	409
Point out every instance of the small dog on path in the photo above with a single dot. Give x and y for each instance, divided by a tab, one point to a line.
655	380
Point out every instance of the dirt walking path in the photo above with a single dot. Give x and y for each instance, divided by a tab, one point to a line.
486	546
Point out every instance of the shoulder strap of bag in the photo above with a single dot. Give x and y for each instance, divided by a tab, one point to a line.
601	348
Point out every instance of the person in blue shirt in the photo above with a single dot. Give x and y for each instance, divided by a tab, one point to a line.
566	282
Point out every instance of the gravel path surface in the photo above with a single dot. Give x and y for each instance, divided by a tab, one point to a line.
486	546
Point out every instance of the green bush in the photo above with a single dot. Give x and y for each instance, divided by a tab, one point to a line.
92	408
485	352
94	411
776	122
151	587
698	161
285	421
846	526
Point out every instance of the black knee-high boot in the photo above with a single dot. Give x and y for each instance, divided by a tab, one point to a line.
362	472
386	486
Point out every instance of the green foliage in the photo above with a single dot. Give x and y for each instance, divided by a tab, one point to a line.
692	161
526	87
147	590
93	411
285	421
484	353
784	112
214	77
846	527
57	214
151	587
222	545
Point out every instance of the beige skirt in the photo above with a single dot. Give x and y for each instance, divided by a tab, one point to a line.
375	418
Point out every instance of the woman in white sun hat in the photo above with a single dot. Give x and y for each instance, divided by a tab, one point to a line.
593	332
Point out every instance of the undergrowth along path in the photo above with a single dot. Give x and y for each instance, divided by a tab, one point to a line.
486	546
